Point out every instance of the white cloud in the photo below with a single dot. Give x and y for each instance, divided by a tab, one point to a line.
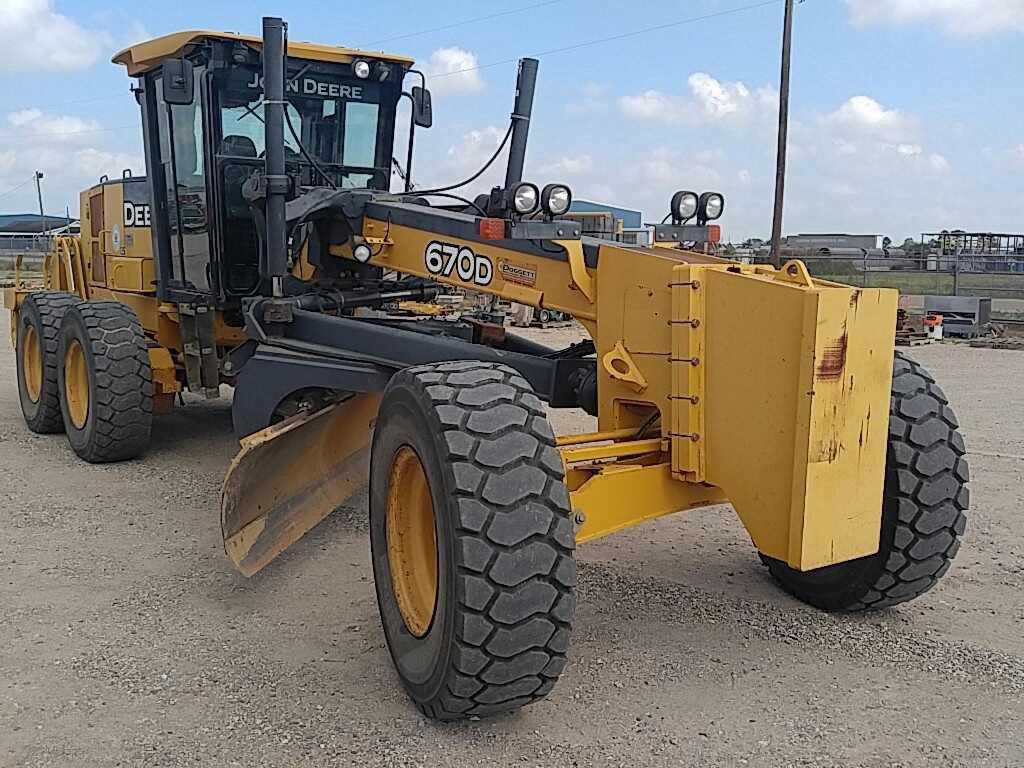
841	189
570	166
651	105
453	70
864	138
725	100
870	166
93	163
709	101
674	170
596	191
958	17
23	116
938	163
30	127
475	147
439	165
862	116
34	35
592	99
68	149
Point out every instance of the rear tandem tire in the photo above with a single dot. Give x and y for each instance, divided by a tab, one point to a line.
923	507
105	382
477	617
39	319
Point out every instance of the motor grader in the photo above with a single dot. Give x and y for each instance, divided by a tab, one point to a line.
262	250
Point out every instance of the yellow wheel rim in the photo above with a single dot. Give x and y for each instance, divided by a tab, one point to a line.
412	541
76	384
32	363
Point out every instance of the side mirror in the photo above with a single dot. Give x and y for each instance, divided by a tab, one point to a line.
179	83
422	111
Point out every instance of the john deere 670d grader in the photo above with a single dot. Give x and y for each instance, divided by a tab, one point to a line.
254	254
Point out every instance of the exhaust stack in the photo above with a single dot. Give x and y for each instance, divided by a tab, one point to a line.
275	258
526	83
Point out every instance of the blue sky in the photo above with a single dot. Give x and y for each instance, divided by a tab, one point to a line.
907	114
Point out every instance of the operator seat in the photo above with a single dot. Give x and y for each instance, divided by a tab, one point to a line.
238	146
241	244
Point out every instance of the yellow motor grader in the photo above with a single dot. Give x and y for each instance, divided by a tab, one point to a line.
262	250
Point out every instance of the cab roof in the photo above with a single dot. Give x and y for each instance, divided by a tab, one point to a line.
142	57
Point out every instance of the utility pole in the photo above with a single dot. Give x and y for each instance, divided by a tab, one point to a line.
780	164
42	214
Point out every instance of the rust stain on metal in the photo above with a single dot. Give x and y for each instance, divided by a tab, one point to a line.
833	360
865	432
834	448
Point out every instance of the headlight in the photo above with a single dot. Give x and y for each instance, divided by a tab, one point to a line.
712	205
362	253
524	198
555	199
361	69
684	205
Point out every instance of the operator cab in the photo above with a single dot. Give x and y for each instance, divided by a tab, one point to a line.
204	137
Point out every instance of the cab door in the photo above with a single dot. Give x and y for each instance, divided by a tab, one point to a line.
181	195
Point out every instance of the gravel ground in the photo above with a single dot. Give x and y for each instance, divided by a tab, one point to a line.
126	640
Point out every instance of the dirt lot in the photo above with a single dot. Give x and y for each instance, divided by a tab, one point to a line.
125	639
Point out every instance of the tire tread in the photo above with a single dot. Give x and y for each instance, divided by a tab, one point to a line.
513	557
122	408
50	307
926	501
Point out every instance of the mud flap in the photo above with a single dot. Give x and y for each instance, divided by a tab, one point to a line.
290	476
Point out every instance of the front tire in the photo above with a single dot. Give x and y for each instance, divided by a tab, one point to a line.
38	332
105	381
923	512
472	540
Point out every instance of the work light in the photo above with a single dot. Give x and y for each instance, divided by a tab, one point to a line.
361	69
524	198
711	206
555	199
684	205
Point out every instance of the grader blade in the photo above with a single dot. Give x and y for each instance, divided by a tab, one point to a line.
290	476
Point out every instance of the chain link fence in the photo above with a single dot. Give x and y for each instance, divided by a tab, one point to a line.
960	274
24	254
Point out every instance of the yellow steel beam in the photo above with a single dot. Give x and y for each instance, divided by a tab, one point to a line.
613	451
620	497
595	437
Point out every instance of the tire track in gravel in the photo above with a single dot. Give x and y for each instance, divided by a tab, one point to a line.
879	639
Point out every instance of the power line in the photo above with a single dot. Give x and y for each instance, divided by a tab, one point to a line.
79	131
620	36
12	190
405	36
549	52
454	25
109	97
